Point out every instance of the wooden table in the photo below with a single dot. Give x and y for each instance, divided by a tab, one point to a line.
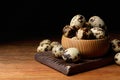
17	63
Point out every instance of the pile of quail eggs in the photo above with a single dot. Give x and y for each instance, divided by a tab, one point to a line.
80	28
115	44
69	55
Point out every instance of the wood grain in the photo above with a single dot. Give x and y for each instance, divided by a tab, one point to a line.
70	69
17	63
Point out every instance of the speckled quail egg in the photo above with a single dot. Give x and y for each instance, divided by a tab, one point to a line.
45	41
69	31
117	58
57	51
74	38
84	33
115	43
96	21
98	32
78	20
43	48
54	43
71	55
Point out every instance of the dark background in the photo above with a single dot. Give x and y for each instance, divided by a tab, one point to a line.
37	19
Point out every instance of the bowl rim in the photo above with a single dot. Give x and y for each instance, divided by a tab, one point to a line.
106	38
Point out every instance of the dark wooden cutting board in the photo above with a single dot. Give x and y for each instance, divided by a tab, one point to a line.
83	65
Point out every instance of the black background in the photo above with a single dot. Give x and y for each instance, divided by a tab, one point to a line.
36	19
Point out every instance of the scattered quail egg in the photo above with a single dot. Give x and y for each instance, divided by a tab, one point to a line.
117	58
71	55
57	51
43	47
115	45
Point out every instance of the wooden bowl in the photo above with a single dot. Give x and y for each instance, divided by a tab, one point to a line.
88	48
